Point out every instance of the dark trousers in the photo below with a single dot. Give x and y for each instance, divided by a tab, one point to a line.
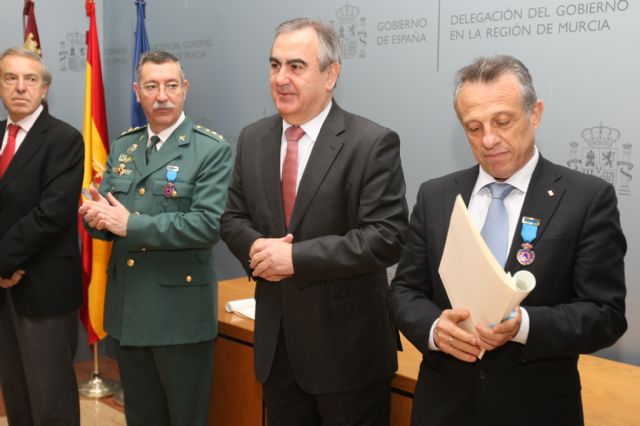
36	368
167	385
289	405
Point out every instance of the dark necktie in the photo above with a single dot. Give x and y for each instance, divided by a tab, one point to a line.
9	150
496	226
290	170
151	149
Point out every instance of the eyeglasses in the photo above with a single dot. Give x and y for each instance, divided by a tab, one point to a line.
12	79
170	88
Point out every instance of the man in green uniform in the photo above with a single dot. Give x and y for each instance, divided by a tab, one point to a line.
160	201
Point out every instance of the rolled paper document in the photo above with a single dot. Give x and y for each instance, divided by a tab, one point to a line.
523	283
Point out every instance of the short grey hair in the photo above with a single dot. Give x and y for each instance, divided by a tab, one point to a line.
21	51
329	51
489	69
158	57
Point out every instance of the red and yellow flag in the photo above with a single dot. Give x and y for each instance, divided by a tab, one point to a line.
30	28
95	253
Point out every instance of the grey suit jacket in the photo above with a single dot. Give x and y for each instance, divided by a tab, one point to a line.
348	222
577	306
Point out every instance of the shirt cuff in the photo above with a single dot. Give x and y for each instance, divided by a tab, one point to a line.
432	344
523	333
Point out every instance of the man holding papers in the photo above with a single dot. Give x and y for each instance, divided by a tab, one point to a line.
558	224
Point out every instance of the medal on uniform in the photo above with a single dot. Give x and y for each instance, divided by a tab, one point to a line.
169	189
529	232
132	148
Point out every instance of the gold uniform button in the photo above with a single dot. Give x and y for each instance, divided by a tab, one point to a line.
188	278
141	191
130	262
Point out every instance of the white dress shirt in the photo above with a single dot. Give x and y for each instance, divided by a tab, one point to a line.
305	144
25	125
164	134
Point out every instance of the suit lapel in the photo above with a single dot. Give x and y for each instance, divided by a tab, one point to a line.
462	183
138	153
325	149
543	197
270	170
3	126
32	143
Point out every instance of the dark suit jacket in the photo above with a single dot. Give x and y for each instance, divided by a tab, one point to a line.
577	305
348	223
39	196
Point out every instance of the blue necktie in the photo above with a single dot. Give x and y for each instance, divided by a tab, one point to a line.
496	226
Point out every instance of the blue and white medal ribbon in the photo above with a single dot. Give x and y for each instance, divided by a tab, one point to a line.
529	232
172	174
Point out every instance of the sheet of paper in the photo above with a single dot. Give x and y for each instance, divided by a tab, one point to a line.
472	276
244	307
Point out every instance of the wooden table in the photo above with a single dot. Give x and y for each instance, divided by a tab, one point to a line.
610	389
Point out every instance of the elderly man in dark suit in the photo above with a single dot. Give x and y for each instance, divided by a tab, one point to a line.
41	165
316	212
561	225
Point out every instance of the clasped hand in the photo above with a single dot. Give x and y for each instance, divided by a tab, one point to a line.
15	279
105	213
271	258
450	338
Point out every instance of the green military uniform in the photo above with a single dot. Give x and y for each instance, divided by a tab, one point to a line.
162	287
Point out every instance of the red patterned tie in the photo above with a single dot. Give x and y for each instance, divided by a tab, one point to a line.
290	170
7	154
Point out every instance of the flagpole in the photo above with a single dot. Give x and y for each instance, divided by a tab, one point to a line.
97	387
94	253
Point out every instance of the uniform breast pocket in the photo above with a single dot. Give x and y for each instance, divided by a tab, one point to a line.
176	198
120	187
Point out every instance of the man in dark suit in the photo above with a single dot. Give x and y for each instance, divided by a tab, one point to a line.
529	374
318	240
41	165
160	202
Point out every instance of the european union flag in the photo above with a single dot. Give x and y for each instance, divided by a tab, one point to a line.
141	46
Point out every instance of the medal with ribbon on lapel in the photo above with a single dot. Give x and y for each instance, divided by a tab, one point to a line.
172	174
529	232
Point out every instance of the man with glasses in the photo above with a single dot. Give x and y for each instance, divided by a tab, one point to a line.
160	202
41	164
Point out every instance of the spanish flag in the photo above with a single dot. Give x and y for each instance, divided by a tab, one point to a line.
30	28
95	253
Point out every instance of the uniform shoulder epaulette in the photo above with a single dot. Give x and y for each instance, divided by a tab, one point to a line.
132	130
208	132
